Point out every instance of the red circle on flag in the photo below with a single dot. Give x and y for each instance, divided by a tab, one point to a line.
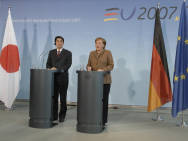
9	58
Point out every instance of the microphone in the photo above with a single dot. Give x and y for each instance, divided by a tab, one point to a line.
42	58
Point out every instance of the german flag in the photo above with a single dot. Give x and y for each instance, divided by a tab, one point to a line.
160	91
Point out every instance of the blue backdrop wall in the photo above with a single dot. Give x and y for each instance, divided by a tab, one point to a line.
129	35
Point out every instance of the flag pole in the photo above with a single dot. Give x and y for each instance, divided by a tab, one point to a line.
158	5
9	8
183	124
157	116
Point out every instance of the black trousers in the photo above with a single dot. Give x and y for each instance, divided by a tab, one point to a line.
60	89
106	91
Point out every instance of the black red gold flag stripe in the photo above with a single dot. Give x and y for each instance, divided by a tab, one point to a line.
160	91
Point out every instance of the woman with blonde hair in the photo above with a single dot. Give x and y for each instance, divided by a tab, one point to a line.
102	60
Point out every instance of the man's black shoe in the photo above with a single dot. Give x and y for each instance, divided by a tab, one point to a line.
54	118
61	119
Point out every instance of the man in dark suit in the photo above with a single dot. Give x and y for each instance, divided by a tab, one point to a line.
60	59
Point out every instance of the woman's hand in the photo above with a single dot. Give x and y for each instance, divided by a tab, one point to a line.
100	70
88	68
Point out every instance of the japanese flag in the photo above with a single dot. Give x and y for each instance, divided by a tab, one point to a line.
9	65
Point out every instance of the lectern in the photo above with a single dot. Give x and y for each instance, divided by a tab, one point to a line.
41	97
90	94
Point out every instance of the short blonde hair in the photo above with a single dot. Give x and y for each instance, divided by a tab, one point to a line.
102	39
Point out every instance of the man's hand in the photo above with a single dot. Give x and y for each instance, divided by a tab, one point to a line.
88	68
54	68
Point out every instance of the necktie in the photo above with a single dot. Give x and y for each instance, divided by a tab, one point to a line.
58	52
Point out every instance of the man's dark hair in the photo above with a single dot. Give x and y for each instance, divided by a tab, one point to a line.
58	37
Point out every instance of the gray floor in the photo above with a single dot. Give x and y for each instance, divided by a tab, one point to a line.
125	124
